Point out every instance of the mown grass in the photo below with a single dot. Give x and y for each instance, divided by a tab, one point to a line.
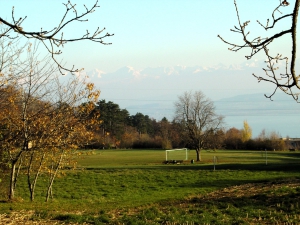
121	158
134	187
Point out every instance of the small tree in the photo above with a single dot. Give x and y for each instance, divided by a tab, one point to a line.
246	132
197	115
165	133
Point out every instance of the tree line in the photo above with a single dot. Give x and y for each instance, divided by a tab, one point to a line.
119	129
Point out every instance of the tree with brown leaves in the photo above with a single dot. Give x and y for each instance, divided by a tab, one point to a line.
43	119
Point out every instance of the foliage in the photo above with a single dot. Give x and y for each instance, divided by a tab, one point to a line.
166	132
216	139
146	142
114	119
246	132
118	129
270	141
233	139
42	118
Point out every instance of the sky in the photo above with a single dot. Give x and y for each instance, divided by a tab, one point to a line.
147	33
157	33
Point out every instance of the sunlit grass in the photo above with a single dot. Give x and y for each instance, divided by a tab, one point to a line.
137	183
119	158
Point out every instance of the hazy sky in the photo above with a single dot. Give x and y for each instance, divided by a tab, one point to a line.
148	33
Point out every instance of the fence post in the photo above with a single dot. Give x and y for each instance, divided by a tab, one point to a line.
214	159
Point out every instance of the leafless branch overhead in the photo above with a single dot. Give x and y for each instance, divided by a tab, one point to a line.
54	39
287	81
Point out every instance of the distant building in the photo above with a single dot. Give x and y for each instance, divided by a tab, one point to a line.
292	143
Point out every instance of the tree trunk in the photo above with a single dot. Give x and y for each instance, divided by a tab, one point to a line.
17	172
49	191
198	155
52	177
12	181
13	175
32	184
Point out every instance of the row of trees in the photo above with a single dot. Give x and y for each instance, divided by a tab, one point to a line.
119	129
235	139
195	125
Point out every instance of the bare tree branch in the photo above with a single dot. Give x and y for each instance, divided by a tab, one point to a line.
54	39
287	81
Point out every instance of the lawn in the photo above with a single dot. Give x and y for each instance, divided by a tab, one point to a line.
117	158
135	187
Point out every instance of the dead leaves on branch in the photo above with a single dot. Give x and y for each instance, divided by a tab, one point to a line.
54	130
285	3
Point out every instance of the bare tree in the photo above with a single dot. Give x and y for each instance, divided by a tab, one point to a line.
197	115
283	77
54	39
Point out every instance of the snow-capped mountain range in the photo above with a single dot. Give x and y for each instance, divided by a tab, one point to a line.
165	83
157	72
236	93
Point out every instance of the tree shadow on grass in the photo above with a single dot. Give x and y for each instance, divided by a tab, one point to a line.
281	197
275	202
282	167
292	167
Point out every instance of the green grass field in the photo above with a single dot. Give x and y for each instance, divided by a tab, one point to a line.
224	159
135	187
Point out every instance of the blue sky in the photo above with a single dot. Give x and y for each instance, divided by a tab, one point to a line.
149	32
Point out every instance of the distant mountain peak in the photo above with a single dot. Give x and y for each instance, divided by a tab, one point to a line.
129	73
134	72
95	73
